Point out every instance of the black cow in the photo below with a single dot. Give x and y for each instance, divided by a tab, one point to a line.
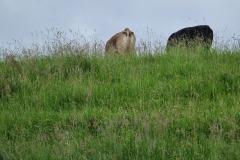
191	37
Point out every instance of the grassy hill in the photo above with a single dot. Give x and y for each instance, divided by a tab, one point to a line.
164	106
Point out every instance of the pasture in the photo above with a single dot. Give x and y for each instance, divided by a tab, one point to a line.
164	106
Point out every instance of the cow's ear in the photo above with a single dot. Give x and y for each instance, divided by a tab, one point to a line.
131	33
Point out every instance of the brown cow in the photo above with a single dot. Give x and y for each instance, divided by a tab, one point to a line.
121	43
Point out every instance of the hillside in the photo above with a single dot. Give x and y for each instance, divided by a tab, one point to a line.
163	106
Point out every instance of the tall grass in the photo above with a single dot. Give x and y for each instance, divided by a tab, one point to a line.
151	106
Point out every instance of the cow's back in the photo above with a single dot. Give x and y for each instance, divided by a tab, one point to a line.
199	35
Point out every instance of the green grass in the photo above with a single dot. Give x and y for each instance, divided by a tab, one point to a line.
163	106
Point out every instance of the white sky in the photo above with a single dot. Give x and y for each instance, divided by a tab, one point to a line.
20	18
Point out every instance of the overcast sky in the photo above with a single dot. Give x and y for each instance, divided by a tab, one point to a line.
20	18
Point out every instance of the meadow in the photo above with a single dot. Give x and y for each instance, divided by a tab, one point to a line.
70	105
